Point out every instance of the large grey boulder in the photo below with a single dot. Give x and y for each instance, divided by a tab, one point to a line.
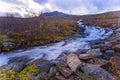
97	72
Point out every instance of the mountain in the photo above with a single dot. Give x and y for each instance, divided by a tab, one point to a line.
55	14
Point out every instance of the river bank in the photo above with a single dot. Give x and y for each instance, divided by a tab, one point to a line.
98	62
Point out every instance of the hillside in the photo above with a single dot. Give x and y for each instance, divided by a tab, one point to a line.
37	30
108	19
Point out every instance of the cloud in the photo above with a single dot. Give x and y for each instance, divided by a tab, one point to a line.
85	6
22	7
78	7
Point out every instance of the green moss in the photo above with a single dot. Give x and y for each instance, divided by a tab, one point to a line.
1	41
25	74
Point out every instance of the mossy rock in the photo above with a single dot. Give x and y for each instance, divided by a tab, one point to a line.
25	74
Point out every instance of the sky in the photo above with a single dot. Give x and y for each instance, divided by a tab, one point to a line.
76	7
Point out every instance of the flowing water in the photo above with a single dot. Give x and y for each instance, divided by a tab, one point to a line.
51	52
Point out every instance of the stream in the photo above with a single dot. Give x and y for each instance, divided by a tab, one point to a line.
51	52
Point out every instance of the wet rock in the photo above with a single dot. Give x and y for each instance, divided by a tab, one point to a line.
17	63
115	61
7	46
116	47
97	72
93	53
73	61
15	66
23	59
110	53
42	64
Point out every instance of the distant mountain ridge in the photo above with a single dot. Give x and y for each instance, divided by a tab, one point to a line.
55	14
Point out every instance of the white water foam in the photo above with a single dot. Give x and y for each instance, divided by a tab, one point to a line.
71	45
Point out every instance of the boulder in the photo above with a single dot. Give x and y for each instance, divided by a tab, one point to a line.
92	53
42	76
17	63
7	46
73	61
53	71
15	66
115	61
64	69
23	59
116	47
66	72
97	72
98	62
42	64
110	53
